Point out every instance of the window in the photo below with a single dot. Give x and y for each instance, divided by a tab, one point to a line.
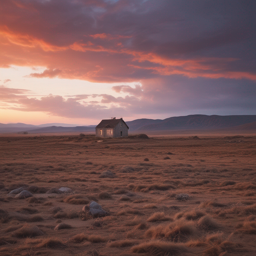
109	132
100	132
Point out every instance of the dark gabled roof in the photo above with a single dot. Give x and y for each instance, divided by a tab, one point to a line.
110	123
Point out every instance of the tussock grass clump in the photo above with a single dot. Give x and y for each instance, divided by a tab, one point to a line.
28	210
62	226
249	227
244	186
227	183
191	215
60	215
214	238
141	226
133	222
55	209
211	204
27	231
35	218
122	243
129	211
76	199
240	210
149	206
196	243
96	239
33	200
213	251
79	238
7	240
158	216
12	228
207	223
4	216
179	231
159	248
72	215
105	195
53	243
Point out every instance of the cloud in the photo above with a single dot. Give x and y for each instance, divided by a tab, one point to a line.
7	80
130	40
50	73
11	94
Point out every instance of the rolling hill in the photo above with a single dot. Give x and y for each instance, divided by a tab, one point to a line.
180	123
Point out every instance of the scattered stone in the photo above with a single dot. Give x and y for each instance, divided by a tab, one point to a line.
169	153
182	197
54	191
62	226
23	194
16	191
146	159
127	169
95	210
65	190
167	157
107	174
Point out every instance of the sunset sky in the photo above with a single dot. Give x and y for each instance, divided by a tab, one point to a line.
79	61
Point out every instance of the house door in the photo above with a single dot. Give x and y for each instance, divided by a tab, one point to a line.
121	133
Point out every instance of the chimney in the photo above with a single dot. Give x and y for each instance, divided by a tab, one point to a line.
113	118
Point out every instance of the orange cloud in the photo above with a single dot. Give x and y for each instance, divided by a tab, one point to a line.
26	40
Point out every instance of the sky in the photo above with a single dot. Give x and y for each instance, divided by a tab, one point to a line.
80	61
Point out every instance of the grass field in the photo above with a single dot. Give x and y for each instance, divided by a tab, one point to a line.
165	196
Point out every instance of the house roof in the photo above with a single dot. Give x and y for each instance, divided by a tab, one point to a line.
110	123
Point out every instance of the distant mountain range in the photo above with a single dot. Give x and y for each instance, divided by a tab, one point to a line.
181	123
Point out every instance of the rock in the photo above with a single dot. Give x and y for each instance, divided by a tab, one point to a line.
127	169
146	159
182	197
54	191
23	194
16	191
95	210
107	174
62	226
65	190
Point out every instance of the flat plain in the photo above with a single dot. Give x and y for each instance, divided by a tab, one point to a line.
172	195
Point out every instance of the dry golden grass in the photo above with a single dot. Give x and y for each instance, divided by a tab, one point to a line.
159	248
76	199
122	243
217	219
158	216
27	231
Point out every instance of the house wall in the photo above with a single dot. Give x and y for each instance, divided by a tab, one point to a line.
121	127
106	132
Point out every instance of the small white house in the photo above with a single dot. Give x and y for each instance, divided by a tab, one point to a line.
114	128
